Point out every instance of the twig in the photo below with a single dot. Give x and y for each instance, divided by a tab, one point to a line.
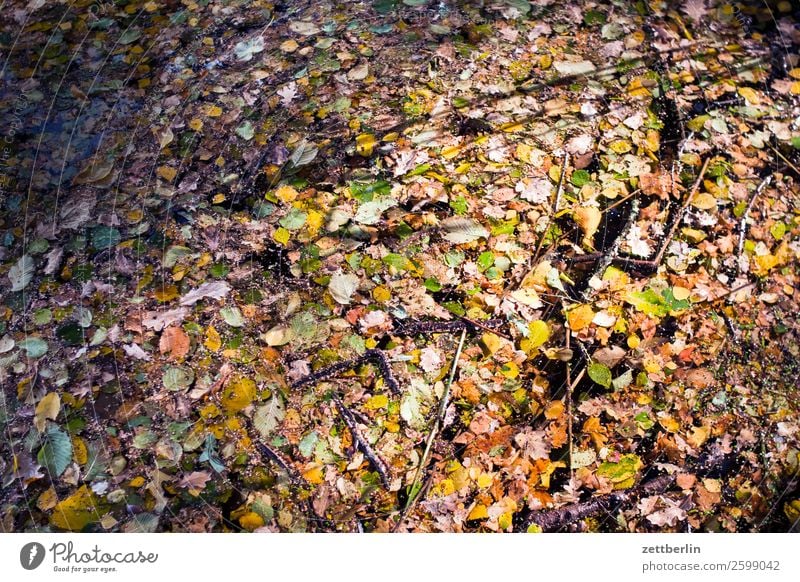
611	254
277	458
555	519
679	217
559	188
746	215
439	418
371	355
361	442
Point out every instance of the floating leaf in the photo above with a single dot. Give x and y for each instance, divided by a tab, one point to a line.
622	474
269	415
77	511
238	394
22	272
176	378
56	452
47	409
600	374
460	230
232	316
342	286
35	347
245	49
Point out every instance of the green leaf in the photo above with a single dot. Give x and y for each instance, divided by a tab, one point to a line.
35	347
105	237
580	177
366	191
176	378
71	334
267	417
294	219
308	443
600	374
485	260
432	285
21	272
246	131
460	230
622	473
56	452
232	316
648	302
370	212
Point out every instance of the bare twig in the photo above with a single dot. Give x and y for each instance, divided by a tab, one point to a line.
371	355
610	255
361	442
439	418
679	216
746	215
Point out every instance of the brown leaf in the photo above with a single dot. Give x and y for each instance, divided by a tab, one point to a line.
175	342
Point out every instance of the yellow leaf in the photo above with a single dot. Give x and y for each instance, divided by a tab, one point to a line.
588	219
314	475
167	172
214	111
282	236
251	521
554	410
381	294
376	402
76	511
48	408
510	370
365	143
491	342
286	194
681	293
538	334
136	482
580	317
792	508
620	146
795	88
47	500
704	201
166	293
79	451
450	152
213	341
698	436
238	394
750	95
485	480
478	512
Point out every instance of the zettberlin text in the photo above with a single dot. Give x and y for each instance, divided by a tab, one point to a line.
667	549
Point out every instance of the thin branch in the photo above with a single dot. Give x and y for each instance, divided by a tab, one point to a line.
371	355
679	217
435	430
361	442
746	215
